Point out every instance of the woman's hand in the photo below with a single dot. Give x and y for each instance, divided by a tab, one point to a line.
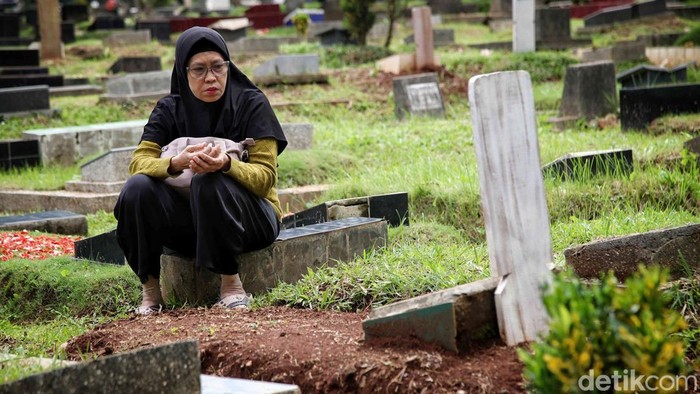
210	160
182	160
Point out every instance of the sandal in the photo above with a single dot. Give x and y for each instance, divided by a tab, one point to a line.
149	310
235	301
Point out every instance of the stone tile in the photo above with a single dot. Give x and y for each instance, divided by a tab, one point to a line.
220	385
24	99
103	248
19	153
131	37
288	65
173	369
56	222
590	90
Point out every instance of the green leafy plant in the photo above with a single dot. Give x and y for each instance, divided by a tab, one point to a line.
602	331
301	24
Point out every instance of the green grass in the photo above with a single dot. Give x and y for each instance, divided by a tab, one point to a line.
362	149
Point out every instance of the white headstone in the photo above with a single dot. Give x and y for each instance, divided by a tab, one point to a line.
523	25
513	200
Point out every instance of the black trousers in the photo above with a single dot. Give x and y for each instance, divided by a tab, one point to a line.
221	220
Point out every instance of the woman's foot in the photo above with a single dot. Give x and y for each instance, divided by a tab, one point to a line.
232	295
235	301
152	301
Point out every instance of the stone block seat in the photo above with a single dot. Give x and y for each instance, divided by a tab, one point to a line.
286	260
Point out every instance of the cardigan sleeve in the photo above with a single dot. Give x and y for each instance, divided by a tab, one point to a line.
146	160
259	174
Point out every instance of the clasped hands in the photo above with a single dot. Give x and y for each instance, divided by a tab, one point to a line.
201	158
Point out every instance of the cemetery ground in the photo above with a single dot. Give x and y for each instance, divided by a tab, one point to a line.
309	333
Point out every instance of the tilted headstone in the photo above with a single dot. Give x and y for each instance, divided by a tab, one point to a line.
55	222
639	106
24	100
172	368
19	57
418	95
513	200
18	153
672	248
583	165
128	37
136	64
646	75
102	248
590	91
104	174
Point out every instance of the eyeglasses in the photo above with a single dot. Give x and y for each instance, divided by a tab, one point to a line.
199	71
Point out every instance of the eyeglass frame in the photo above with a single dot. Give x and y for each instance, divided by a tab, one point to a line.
209	69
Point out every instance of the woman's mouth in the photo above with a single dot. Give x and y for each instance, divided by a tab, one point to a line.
212	90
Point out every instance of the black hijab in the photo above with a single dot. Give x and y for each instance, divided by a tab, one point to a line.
242	112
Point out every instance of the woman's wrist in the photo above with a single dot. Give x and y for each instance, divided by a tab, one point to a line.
227	163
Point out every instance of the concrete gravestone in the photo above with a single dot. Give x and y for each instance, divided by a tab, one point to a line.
289	69
513	200
25	100
590	91
418	95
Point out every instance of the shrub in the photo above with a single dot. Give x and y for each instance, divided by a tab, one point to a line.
599	332
358	18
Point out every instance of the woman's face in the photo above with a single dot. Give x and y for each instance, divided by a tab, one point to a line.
206	74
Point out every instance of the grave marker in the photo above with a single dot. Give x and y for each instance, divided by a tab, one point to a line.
128	37
581	165
50	28
24	100
103	248
150	85
639	106
55	222
232	29
19	57
441	37
524	25
423	30
646	75
19	153
513	200
590	91
418	95
136	64
173	368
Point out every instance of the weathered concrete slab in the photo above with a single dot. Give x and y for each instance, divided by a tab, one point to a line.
67	145
31	200
103	248
104	174
300	136
287	259
57	222
173	368
452	318
583	165
218	385
138	86
295	199
127	37
670	248
259	44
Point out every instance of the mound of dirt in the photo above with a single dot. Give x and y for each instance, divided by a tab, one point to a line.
320	351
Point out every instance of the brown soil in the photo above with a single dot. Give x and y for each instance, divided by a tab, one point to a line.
320	351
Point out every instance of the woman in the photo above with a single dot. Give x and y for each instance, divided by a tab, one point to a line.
233	206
